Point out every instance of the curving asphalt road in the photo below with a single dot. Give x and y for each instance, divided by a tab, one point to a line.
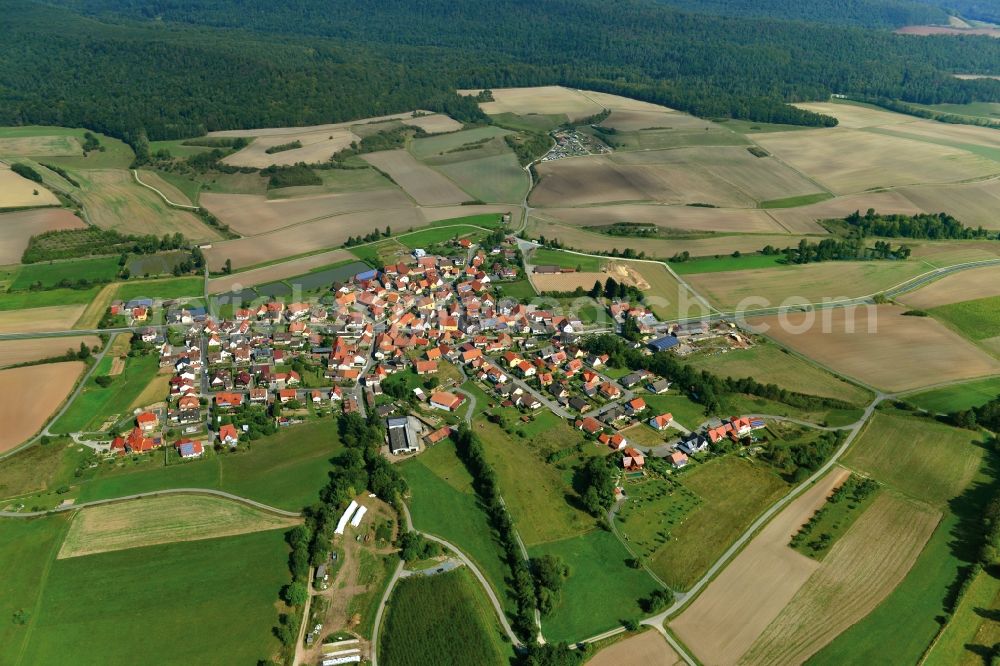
155	493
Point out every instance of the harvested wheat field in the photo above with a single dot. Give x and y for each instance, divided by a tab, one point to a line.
902	353
154	520
851	161
925	30
13	352
252	214
680	218
635	120
317	146
542	100
31	395
38	320
973	204
308	129
802	219
18	227
804	283
643	650
309	237
582	181
425	185
729	615
856	116
618	103
861	569
117	366
962	286
239	281
115	201
40	146
567	281
759	178
435	124
19	192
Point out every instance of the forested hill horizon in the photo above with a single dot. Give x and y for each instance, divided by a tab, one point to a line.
176	68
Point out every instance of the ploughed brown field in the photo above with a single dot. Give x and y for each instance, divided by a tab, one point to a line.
902	353
581	181
963	286
680	218
31	395
729	615
13	352
576	238
18	227
309	237
252	214
643	650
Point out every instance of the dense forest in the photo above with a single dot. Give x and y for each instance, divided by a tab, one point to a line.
170	69
868	13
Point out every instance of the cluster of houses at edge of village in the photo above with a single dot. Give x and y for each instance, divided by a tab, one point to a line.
410	316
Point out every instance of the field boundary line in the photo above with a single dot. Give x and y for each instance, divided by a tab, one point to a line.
156	493
135	174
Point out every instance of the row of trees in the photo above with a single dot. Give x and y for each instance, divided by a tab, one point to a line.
986	416
850	249
470	450
933	226
701	386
